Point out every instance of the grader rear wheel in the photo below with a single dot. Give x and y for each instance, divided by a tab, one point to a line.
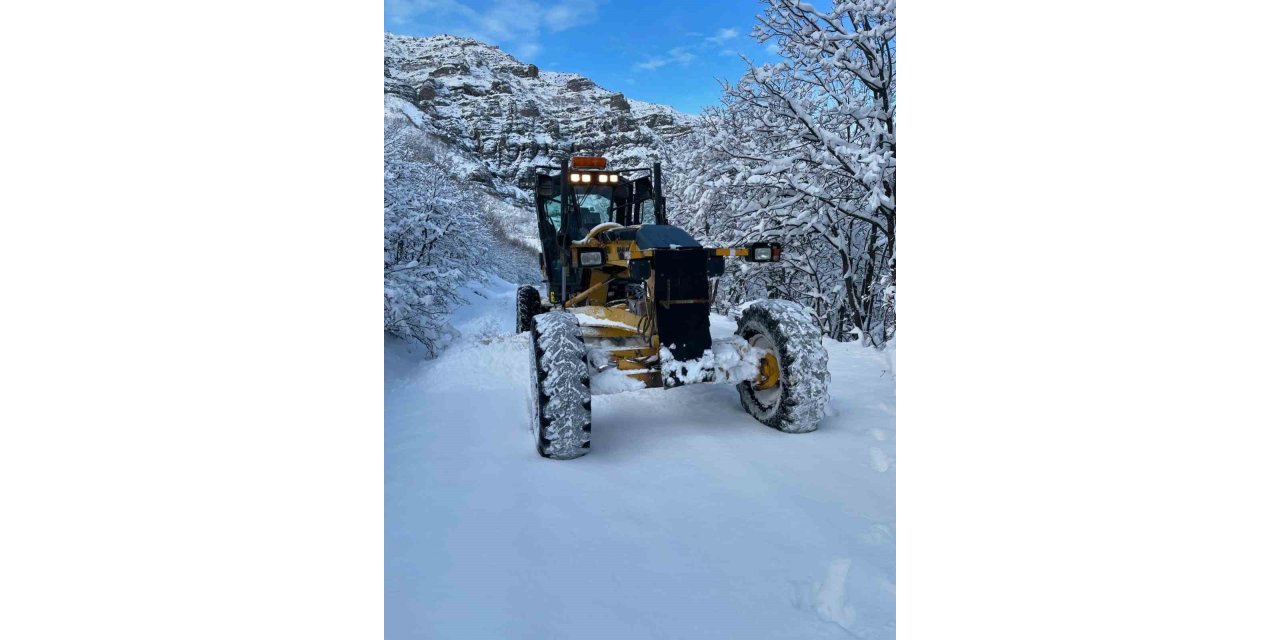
528	305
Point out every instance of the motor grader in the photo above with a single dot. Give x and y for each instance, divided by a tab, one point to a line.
628	300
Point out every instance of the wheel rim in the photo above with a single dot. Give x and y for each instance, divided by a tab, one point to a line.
767	386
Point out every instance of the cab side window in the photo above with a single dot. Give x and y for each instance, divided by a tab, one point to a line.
551	207
647	216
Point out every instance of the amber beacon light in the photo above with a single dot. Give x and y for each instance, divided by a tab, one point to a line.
587	162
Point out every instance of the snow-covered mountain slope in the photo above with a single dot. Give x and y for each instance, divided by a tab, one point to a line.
688	520
514	115
507	210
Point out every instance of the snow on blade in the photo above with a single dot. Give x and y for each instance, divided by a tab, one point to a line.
729	359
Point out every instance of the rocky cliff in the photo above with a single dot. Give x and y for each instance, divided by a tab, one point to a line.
510	115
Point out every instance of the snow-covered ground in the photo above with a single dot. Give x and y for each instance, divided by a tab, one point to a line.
688	519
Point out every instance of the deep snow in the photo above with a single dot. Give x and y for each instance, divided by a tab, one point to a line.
688	519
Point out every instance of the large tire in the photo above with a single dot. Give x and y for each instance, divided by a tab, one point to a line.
799	400
561	387
528	305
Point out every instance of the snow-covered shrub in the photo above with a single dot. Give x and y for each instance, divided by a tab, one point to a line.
431	243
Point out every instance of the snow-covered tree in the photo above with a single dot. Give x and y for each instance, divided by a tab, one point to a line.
804	152
429	241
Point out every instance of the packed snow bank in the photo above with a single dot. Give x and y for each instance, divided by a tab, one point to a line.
688	520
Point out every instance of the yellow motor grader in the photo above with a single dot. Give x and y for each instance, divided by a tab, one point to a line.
627	306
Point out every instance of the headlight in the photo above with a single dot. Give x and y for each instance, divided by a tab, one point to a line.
591	258
764	252
613	177
574	177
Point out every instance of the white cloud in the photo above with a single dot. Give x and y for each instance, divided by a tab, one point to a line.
773	48
565	15
648	65
515	25
723	35
678	55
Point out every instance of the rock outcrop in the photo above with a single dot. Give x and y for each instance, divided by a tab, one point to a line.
510	115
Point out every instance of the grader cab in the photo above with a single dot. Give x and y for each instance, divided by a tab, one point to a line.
627	306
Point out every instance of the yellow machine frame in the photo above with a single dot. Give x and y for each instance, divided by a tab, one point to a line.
630	339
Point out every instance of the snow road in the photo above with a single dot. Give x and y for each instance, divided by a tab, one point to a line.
689	519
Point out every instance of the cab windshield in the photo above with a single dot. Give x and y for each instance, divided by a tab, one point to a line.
595	203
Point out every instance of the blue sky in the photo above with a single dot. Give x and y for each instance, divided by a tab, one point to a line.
665	51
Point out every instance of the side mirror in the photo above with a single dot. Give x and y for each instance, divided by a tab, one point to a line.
643	188
546	186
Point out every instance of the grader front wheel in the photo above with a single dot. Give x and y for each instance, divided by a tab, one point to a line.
561	387
790	394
